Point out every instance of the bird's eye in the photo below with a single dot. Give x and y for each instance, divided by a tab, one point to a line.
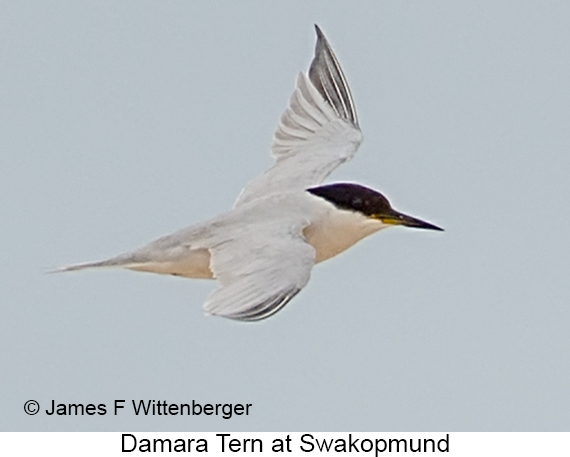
357	202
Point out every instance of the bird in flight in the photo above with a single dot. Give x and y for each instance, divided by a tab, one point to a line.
283	222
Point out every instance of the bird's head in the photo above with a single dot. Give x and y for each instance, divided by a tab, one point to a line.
368	202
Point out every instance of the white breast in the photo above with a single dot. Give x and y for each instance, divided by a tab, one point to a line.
337	230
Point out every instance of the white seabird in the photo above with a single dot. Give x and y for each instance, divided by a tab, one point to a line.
262	250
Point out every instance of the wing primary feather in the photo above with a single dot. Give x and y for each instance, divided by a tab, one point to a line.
323	74
327	76
265	309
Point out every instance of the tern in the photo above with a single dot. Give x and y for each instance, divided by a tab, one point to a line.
283	222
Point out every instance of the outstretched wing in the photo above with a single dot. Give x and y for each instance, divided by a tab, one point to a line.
317	132
259	272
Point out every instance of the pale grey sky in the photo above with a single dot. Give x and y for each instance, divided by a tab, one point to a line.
123	121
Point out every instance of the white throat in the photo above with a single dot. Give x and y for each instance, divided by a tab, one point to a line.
337	230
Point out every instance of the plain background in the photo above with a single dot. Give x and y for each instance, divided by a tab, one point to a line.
124	121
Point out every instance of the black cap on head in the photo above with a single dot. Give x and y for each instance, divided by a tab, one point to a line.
354	197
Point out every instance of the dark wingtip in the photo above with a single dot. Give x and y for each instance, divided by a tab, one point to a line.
321	39
326	75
